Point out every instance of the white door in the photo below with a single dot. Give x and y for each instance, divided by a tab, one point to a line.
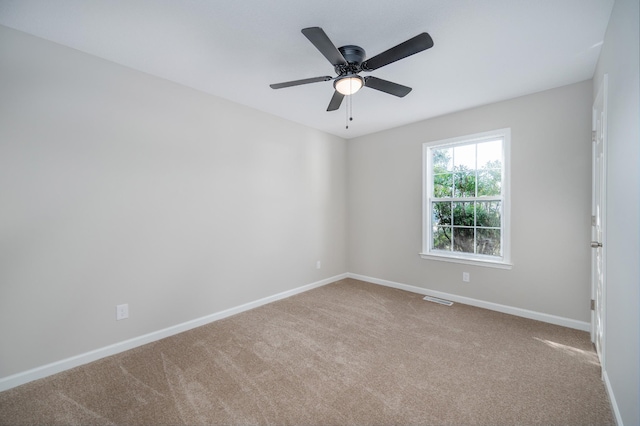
598	246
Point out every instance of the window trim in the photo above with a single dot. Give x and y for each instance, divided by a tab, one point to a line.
427	182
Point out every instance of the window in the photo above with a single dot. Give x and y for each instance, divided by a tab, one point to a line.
466	199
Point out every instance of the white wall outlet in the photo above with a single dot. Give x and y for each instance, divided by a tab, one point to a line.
122	311
465	277
318	264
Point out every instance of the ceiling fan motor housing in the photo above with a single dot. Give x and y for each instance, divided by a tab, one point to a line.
354	55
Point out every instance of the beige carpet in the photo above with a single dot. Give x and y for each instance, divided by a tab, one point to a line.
346	353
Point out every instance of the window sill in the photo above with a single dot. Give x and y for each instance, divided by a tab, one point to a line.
485	263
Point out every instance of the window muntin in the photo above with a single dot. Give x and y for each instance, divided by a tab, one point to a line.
466	205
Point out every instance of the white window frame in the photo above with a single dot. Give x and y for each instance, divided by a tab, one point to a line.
503	262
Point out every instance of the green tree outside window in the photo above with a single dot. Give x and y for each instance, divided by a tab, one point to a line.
466	202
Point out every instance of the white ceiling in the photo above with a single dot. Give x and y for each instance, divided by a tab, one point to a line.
485	50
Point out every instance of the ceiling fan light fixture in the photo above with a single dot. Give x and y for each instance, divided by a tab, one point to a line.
349	84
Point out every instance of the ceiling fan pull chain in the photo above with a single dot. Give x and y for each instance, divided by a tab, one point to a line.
346	110
350	109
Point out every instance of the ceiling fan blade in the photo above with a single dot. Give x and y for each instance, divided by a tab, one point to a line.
410	47
387	86
336	101
299	82
321	41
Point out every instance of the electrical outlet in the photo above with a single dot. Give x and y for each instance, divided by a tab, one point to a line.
465	277
122	311
318	264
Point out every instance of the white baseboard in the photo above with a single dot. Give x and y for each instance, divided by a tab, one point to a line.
612	398
87	357
552	319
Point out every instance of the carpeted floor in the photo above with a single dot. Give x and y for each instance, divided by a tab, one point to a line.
346	353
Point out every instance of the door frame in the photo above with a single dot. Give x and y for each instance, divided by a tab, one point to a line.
599	308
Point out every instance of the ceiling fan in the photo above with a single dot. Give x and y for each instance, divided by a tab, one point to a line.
348	61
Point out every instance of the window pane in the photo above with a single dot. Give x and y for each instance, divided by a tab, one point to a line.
442	238
490	154
464	184
488	214
488	242
442	185
442	160
463	214
489	182
463	240
465	156
441	213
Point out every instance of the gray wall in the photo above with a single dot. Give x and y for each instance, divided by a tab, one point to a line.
118	187
551	204
620	59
